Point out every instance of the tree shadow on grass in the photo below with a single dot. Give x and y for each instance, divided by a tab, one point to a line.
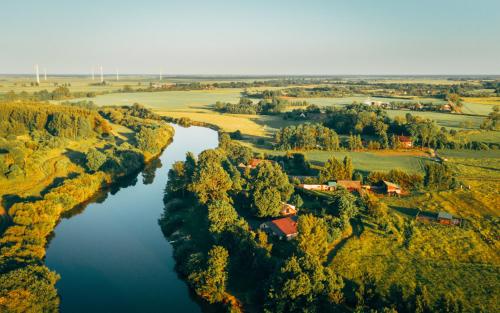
410	212
75	157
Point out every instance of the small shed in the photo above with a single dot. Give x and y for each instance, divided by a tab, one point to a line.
332	185
391	188
287	209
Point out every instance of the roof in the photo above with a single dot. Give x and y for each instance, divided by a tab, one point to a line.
287	225
332	184
353	184
389	184
287	205
445	215
404	139
254	162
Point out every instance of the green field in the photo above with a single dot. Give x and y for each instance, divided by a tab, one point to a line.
171	100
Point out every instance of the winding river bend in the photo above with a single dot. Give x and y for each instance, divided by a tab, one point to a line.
111	253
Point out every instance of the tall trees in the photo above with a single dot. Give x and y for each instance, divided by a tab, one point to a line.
94	159
303	281
312	230
269	186
345	203
492	122
29	289
210	180
336	170
221	216
438	176
210	282
307	137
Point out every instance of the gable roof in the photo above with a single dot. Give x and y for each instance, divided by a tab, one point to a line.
389	184
353	184
286	226
404	139
445	215
254	162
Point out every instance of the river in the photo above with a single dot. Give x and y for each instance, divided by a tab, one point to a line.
111	253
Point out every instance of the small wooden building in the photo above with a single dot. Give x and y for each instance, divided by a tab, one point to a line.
442	217
391	188
287	209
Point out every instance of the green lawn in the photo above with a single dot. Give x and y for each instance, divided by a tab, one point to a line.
171	100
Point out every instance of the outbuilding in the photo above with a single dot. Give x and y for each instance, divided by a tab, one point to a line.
391	188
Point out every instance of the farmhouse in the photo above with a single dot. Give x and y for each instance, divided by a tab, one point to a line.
284	228
405	141
351	185
287	209
446	218
251	164
442	217
446	108
391	188
317	187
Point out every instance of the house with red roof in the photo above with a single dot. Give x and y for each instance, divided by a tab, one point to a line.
405	141
251	164
284	228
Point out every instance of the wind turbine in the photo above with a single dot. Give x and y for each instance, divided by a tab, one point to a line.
44	74
37	74
102	75
161	76
117	75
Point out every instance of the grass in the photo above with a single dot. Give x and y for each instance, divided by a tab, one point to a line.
46	166
461	260
171	100
454	263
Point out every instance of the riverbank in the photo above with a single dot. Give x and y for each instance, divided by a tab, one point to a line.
25	281
125	256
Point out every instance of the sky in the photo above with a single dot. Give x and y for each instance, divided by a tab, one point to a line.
257	37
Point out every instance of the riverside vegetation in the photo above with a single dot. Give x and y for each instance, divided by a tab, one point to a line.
85	149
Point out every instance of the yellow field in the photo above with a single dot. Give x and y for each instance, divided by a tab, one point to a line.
483	100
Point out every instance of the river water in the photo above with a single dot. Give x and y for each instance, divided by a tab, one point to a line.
111	253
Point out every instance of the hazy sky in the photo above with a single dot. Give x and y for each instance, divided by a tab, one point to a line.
252	37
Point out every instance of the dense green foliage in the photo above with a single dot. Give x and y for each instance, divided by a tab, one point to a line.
336	170
306	137
270	187
29	289
438	176
246	106
403	179
62	121
210	282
